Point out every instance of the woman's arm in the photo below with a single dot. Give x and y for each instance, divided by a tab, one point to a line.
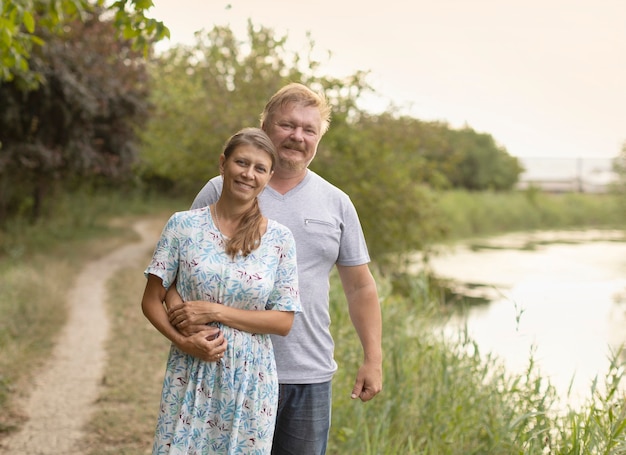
194	323
194	312
192	316
198	345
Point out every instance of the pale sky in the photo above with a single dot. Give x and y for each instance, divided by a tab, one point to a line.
546	78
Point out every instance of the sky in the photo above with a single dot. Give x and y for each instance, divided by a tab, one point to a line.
545	78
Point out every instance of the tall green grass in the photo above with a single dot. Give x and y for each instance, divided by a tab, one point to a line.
470	215
444	396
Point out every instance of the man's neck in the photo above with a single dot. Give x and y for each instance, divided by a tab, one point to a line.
285	182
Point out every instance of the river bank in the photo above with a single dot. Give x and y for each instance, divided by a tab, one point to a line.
559	296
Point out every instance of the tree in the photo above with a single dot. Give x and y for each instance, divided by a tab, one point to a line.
79	123
481	163
205	92
469	160
24	23
390	165
375	159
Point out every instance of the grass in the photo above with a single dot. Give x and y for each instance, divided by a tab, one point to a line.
440	397
471	215
125	416
38	264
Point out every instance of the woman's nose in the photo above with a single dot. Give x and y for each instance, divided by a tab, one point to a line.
248	171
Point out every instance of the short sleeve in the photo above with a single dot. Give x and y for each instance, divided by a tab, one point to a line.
285	295
165	259
209	194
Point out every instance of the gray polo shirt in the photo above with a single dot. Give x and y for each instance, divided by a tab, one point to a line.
327	231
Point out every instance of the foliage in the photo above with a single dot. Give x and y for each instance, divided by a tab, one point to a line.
372	159
25	25
79	123
619	167
388	164
205	92
469	159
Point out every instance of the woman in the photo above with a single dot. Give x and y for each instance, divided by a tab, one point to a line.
242	267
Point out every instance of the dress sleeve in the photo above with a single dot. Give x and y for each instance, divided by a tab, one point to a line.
286	295
164	263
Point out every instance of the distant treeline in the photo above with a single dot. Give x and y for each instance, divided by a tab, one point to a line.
106	115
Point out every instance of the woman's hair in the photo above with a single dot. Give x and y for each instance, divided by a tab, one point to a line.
299	94
248	234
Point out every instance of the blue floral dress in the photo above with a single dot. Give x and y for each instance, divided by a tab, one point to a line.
229	406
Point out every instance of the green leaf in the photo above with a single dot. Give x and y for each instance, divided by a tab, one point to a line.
37	40
5	37
143	4
29	21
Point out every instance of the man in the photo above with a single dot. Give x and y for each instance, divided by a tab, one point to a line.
328	233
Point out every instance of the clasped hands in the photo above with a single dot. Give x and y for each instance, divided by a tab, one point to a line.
202	341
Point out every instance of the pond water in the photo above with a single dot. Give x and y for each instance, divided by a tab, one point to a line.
564	302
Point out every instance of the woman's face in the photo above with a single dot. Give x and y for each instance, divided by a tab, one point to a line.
246	171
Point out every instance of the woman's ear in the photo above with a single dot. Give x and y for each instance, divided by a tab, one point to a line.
222	161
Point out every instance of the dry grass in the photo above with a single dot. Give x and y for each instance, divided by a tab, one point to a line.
125	416
33	305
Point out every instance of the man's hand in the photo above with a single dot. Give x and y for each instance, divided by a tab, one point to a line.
369	382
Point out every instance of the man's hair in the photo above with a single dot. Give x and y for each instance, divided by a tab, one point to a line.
299	94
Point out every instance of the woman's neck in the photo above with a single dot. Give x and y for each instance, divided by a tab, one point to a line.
228	216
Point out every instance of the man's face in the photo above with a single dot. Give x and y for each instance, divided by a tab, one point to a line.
295	130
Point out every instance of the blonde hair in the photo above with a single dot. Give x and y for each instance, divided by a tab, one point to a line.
248	235
299	94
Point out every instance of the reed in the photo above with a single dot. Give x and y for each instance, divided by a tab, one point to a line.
443	396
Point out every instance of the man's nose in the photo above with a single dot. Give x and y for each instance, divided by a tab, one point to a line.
298	133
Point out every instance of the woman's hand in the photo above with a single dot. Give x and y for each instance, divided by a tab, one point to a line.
192	316
208	345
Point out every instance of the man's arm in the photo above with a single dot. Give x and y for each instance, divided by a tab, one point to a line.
362	295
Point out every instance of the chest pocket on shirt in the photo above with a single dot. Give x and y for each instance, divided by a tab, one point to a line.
324	237
311	223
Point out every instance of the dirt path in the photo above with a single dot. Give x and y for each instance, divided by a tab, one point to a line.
64	392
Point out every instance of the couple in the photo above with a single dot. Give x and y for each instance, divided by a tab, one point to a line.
222	392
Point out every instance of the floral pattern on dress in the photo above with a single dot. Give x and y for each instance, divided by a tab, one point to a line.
229	406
